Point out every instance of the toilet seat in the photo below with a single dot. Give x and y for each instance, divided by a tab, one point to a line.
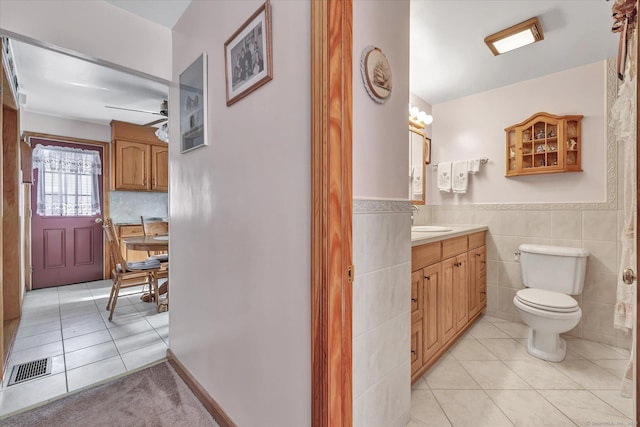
547	300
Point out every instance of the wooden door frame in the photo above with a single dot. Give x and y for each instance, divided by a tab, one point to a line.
106	179
331	212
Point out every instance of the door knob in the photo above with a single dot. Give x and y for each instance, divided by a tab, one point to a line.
98	220
628	276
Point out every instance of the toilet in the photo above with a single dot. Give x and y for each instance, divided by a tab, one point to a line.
550	275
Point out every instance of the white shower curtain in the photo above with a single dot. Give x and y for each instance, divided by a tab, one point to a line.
623	123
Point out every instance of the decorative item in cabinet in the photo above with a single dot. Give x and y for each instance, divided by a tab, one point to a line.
544	143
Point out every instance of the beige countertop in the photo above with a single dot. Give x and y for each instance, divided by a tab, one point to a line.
422	237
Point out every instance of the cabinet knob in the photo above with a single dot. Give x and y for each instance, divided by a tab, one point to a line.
483	292
413	352
427	277
414	299
483	262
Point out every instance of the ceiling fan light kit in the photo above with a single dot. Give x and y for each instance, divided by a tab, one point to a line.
514	37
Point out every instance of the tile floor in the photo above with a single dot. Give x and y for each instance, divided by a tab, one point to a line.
488	379
70	323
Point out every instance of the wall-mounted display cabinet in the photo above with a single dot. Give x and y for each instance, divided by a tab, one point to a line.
544	143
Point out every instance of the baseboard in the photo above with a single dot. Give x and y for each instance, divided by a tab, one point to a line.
203	396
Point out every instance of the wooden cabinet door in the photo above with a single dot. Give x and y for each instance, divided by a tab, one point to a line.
431	324
132	164
461	291
477	280
416	347
446	316
159	168
417	299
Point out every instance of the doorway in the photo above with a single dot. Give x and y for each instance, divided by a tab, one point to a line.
67	204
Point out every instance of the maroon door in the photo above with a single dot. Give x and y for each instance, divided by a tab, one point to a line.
65	249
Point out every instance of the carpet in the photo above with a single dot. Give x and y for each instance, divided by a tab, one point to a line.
155	396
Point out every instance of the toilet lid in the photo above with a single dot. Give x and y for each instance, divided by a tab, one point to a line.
547	300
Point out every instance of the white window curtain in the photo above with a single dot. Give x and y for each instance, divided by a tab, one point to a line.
67	181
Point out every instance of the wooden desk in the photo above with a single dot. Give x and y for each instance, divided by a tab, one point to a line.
150	243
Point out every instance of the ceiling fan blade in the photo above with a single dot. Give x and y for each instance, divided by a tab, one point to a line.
155	122
131	109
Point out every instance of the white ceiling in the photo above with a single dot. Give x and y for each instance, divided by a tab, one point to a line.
448	56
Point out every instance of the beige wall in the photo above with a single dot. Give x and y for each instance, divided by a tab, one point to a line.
240	223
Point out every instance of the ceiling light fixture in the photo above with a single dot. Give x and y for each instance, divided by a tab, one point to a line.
519	35
419	118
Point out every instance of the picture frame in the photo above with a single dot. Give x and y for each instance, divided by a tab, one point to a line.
193	105
248	56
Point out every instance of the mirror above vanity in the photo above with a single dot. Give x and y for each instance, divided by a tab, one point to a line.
419	158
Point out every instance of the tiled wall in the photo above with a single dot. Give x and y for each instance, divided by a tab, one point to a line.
596	230
381	314
128	206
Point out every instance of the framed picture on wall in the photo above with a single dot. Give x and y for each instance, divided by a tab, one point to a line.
248	57
193	105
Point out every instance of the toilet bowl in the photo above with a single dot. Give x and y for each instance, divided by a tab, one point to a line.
550	275
548	314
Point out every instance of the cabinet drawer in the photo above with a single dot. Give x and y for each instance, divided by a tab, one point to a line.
477	239
130	231
453	247
425	255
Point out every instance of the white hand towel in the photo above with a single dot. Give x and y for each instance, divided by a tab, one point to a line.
460	177
474	166
444	177
417	181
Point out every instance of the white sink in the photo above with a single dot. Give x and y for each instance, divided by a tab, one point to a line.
429	228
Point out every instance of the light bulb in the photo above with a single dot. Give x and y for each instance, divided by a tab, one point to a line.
428	119
414	111
422	116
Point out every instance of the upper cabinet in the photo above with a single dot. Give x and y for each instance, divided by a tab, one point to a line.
140	159
544	143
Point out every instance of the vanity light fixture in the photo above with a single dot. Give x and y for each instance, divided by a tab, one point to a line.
519	35
419	117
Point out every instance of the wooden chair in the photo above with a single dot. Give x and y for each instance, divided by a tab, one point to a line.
126	275
158	228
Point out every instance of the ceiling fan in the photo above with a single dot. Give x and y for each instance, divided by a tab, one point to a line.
164	112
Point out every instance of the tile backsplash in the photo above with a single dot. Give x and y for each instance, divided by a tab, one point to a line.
128	206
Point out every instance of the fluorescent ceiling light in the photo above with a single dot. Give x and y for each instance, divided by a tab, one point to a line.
519	35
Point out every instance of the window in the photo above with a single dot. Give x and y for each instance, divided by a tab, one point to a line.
67	181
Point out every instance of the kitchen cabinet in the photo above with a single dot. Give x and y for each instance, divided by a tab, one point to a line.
448	293
159	168
140	159
544	143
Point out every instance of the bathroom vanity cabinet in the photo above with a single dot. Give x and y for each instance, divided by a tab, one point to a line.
448	293
544	143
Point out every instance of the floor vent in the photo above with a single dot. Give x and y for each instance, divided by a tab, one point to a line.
30	370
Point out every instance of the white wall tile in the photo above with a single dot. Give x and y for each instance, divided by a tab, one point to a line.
566	224
386	347
390	399
387	294
600	225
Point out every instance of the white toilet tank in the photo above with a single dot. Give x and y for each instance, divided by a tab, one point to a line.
553	268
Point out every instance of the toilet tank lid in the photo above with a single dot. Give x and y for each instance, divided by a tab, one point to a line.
553	250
